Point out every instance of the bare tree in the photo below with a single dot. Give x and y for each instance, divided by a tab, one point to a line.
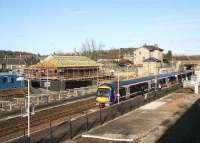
91	49
76	53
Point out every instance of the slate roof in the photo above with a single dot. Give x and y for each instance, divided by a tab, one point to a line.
152	59
152	47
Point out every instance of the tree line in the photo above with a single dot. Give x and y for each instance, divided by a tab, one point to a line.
30	59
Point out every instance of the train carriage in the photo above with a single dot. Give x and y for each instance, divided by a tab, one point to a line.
107	93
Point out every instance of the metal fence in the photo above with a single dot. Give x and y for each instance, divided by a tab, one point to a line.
72	127
47	98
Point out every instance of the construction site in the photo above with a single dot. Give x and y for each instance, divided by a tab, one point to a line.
64	72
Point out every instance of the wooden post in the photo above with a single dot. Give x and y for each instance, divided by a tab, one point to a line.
10	106
70	127
100	115
50	132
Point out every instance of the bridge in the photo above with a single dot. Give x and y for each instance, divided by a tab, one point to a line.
189	64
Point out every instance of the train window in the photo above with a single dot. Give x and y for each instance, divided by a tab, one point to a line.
139	88
134	88
103	92
144	86
122	91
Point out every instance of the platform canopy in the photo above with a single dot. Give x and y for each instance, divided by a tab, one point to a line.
55	61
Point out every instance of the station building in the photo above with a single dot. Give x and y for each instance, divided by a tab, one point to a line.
147	52
151	66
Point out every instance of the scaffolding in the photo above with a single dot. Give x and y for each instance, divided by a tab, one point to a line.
76	73
66	67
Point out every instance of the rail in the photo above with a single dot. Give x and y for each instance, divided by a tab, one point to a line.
20	124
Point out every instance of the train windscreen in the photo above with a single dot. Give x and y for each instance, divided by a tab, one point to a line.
103	92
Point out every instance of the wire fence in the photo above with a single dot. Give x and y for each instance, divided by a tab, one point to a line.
44	99
72	127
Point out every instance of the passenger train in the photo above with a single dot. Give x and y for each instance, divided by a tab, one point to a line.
107	93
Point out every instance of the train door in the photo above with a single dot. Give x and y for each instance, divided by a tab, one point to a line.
144	87
153	85
180	78
127	92
122	92
162	82
149	85
172	81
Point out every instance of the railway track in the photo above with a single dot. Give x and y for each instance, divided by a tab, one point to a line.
19	124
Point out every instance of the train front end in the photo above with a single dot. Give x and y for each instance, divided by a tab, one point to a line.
103	96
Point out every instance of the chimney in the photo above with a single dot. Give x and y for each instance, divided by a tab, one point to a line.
156	45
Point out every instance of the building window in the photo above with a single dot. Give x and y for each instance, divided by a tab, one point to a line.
12	80
140	53
4	79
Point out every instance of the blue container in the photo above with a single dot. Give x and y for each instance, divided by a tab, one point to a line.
11	80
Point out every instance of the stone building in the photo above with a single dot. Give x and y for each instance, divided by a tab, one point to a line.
12	64
127	53
145	52
151	66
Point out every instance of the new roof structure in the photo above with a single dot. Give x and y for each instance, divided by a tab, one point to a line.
55	61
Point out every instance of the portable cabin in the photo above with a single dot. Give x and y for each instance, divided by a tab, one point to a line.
10	80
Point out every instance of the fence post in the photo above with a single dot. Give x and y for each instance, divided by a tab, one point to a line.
113	113
24	135
131	106
121	108
87	127
100	115
70	127
51	137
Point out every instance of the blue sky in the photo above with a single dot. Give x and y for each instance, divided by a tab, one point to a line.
45	26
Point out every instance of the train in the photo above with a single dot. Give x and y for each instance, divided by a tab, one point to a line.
110	93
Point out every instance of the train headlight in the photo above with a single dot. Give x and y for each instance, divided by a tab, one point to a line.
107	104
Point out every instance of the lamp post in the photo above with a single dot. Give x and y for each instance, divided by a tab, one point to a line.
28	108
47	83
118	88
156	77
127	75
118	95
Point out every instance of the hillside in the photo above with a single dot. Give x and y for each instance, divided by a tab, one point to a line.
184	57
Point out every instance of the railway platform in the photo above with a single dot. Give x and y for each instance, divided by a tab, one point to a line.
145	124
